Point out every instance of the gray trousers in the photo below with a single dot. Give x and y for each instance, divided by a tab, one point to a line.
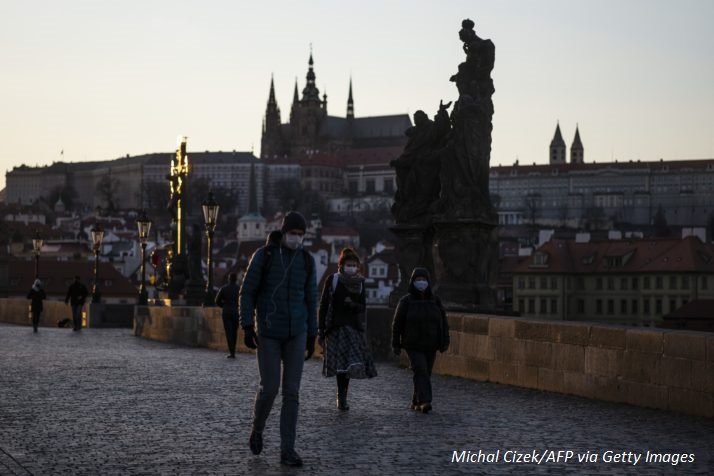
272	354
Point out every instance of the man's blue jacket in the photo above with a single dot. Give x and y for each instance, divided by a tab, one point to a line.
284	302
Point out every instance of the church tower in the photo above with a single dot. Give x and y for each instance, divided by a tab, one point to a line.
271	142
557	148
350	104
576	149
307	116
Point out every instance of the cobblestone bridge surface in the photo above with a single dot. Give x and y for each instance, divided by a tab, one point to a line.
106	402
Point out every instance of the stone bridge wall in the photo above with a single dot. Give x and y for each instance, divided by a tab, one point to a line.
657	368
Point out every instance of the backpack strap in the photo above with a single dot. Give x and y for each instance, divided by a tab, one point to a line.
335	279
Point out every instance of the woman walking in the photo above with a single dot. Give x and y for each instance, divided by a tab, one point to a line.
341	325
37	295
420	327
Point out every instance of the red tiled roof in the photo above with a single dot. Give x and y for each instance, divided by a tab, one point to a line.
654	255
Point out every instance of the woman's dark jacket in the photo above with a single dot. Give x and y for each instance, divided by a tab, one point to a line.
37	296
343	313
420	323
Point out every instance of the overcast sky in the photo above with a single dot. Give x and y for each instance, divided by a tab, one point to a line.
102	79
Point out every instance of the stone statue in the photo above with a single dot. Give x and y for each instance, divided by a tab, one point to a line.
465	162
444	217
417	169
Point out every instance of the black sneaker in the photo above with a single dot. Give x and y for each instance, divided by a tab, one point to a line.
290	458
425	407
256	442
231	356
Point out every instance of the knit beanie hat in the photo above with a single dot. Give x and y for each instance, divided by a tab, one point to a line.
293	221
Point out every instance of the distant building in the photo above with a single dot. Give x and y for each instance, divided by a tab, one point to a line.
619	281
597	195
311	131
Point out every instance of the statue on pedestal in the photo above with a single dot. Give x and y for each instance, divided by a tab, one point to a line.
445	219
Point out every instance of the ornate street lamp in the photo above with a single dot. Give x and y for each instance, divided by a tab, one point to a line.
37	242
210	213
97	236
144	225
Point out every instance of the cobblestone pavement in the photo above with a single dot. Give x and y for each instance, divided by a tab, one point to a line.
106	402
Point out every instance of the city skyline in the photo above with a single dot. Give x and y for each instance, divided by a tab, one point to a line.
87	82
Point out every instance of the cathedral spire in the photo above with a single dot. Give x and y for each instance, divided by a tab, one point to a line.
350	103
271	137
310	92
271	96
557	147
296	98
576	149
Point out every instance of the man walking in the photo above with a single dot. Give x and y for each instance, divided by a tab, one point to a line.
76	295
227	300
280	290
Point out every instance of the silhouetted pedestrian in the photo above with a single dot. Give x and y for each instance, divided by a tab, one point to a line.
420	327
76	295
278	297
37	295
341	326
227	300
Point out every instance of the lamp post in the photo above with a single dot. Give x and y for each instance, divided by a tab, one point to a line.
37	242
97	236
144	225
210	213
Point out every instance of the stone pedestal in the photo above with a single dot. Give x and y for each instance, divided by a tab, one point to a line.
465	264
195	292
177	276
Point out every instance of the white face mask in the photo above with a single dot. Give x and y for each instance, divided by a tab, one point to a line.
350	270
293	241
421	285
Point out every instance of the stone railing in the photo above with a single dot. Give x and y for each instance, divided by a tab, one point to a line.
17	311
657	368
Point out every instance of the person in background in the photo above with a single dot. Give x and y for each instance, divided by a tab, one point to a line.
76	295
278	313
37	295
341	326
227	300
420	327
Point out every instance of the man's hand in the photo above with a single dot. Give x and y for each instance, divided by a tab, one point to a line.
250	339
310	346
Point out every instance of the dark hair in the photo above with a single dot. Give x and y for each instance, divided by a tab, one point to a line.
348	254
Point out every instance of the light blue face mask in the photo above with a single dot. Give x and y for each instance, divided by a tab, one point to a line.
293	241
421	285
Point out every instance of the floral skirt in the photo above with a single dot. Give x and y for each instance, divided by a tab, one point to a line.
346	352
